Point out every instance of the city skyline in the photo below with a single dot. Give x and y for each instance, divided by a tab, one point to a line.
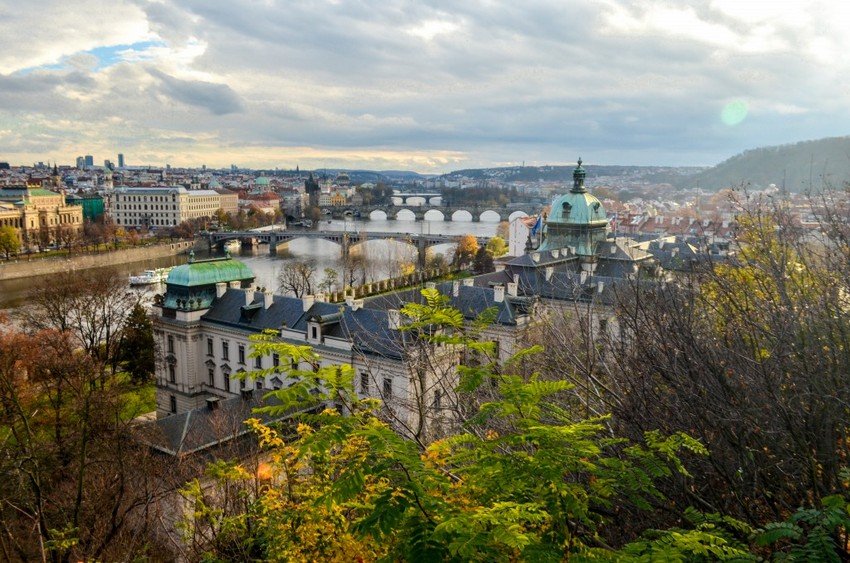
430	88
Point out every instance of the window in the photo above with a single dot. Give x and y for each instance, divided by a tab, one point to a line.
603	325
242	383
227	382
241	353
438	400
388	388
173	403
225	350
209	347
211	373
314	331
172	374
276	360
170	343
259	384
364	383
258	362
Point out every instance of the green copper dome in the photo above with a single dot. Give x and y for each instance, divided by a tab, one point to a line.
577	209
209	272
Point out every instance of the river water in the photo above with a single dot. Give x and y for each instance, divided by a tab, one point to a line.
382	258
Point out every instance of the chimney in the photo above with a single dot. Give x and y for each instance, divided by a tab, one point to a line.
357	304
512	289
268	299
393	319
613	249
516	279
320	297
600	287
234	285
535	256
456	288
548	272
430	285
583	277
212	403
249	295
220	289
308	301
499	293
349	301
468	282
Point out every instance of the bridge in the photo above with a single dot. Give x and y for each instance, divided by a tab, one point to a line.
439	212
346	240
427	196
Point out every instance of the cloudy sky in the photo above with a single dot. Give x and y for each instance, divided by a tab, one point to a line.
428	86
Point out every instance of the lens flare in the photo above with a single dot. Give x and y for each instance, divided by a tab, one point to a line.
734	112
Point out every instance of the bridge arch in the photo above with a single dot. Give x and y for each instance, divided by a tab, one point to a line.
462	216
436	200
434	215
516	215
490	216
405	215
378	215
415	201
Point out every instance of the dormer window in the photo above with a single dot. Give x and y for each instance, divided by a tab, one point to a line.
566	207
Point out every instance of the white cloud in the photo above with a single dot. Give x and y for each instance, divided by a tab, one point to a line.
430	86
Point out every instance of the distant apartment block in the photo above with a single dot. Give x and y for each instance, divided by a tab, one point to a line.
161	206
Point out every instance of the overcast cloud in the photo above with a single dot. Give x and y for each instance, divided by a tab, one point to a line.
429	86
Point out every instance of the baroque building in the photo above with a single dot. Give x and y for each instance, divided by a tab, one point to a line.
159	207
37	214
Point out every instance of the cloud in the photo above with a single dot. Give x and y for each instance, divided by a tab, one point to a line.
431	85
218	99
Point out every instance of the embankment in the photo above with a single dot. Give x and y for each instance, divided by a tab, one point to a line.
15	269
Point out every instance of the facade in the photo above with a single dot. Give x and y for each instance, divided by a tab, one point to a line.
92	205
161	206
229	201
204	321
37	214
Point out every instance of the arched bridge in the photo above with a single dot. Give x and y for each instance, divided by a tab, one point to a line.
426	212
346	240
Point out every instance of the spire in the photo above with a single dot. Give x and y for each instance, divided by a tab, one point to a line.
578	179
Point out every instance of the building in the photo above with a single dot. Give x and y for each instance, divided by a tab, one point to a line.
92	205
229	201
89	161
160	207
81	162
37	214
204	321
120	160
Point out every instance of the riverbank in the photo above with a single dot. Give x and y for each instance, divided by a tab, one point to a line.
17	269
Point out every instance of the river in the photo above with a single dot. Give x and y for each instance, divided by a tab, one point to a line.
382	257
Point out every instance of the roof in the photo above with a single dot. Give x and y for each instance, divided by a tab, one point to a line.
577	209
209	272
198	429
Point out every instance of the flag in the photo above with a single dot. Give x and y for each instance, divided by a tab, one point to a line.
537	225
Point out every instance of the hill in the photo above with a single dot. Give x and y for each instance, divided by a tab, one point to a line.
819	163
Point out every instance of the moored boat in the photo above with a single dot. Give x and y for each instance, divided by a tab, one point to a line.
149	277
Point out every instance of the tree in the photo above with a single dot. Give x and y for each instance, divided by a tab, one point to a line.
496	247
483	261
9	243
137	348
329	281
519	481
467	246
296	277
91	306
74	486
67	236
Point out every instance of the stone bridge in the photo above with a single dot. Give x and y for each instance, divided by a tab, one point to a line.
438	212
346	240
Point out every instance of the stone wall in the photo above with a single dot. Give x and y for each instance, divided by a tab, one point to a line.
15	269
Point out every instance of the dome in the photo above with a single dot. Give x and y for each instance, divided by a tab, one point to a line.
261	181
577	209
209	272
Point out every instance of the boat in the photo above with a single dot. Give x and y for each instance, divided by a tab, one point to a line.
149	277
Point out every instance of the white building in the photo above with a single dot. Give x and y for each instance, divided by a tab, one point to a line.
160	206
203	325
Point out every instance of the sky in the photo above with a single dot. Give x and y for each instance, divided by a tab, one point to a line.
428	86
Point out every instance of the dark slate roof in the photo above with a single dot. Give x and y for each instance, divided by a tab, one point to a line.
202	428
369	330
230	310
471	301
